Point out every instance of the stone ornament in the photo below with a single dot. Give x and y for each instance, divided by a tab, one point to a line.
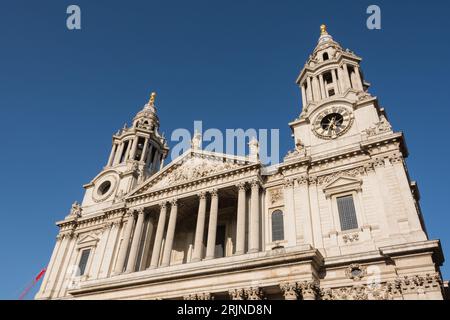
193	169
350	237
252	293
355	272
276	196
236	294
75	210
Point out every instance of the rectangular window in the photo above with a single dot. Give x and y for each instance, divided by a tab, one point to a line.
347	213
83	261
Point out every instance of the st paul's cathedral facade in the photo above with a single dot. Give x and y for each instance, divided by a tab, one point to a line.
337	219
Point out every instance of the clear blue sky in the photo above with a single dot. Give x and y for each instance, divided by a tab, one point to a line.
64	93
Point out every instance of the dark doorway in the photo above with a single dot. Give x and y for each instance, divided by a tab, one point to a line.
220	241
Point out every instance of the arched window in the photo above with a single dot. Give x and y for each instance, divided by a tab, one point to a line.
277	226
326	56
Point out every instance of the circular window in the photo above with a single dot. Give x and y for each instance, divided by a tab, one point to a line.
356	273
104	188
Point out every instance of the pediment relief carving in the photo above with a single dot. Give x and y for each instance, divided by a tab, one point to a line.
191	167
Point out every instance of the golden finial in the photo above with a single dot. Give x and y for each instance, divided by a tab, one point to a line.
152	98
323	30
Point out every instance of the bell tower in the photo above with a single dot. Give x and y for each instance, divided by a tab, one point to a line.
335	98
137	153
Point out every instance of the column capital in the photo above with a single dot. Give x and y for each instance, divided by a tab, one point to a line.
236	294
242	186
290	290
129	213
309	289
254	293
288	183
214	193
140	210
162	204
174	202
255	184
202	195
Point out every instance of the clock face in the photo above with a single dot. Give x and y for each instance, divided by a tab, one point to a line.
332	123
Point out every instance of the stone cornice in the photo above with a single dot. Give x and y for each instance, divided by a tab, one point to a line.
200	269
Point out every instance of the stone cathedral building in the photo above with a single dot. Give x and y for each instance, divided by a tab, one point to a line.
339	218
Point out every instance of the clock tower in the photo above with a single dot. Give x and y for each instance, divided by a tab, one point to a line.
342	125
336	102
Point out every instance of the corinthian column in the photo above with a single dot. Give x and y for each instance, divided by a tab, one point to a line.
212	228
131	264
254	218
120	264
170	234
240	228
159	236
198	243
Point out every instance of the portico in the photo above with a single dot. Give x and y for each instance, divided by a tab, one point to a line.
218	220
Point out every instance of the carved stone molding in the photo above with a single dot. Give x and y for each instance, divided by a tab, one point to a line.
385	291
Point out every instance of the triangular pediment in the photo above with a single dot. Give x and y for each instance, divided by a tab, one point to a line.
89	238
192	166
342	184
